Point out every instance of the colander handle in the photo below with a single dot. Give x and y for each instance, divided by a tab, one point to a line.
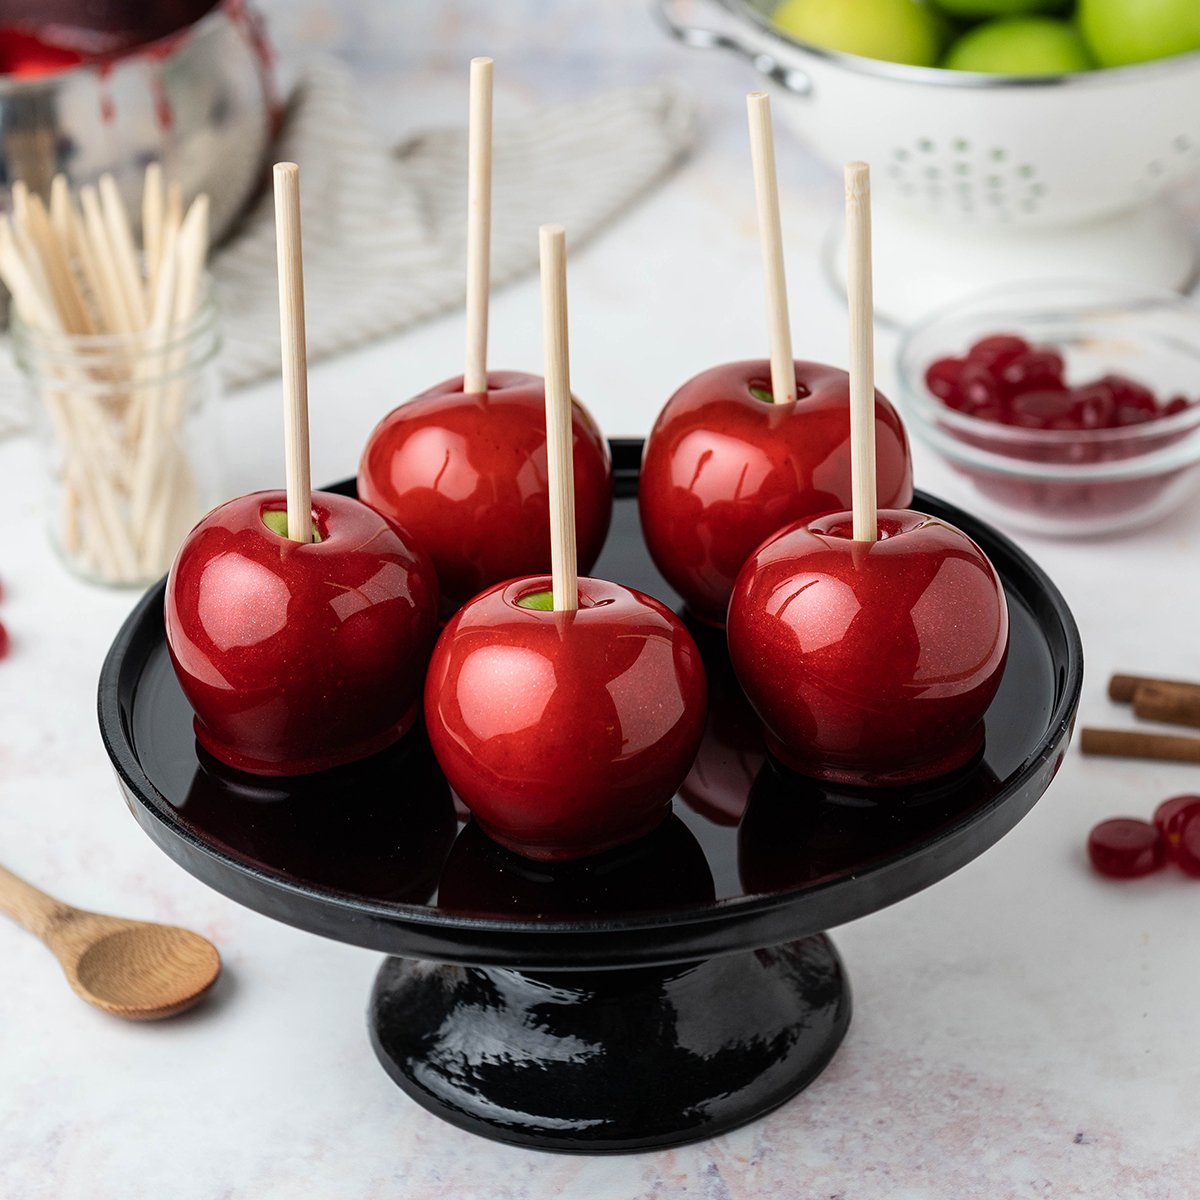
791	78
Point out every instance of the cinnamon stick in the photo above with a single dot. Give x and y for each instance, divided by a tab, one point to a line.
1123	688
1174	703
1133	743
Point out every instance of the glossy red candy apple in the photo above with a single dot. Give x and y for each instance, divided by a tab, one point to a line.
870	663
466	475
298	656
724	468
566	733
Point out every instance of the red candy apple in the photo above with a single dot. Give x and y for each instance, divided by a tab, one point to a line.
870	663
724	468
566	733
298	656
466	475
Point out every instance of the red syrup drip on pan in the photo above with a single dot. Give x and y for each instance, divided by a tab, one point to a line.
27	54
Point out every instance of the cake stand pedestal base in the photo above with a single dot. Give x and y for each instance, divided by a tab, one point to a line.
611	1061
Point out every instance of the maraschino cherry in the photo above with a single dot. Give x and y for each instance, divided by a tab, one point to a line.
1125	848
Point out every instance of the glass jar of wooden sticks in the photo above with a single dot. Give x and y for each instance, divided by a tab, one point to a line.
118	350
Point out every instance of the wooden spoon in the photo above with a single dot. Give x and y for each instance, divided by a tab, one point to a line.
138	970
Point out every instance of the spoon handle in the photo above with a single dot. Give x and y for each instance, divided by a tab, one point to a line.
29	907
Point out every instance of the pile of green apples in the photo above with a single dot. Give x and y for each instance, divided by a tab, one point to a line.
998	37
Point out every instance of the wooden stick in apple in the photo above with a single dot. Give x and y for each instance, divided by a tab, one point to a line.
479	223
862	352
770	236
563	568
295	354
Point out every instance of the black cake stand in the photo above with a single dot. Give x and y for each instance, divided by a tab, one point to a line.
653	995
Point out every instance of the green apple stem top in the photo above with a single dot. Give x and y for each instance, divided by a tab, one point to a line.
479	223
862	352
295	354
770	237
561	471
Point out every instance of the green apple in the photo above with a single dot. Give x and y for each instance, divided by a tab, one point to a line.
903	31
1020	46
982	9
1132	31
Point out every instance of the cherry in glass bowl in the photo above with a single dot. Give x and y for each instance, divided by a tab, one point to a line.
1042	473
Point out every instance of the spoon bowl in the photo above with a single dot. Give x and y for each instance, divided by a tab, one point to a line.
138	970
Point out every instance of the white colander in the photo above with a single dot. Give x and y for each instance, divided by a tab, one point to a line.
1018	177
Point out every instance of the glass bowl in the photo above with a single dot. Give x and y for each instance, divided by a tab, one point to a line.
1068	483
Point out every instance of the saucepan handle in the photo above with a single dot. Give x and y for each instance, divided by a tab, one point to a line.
700	38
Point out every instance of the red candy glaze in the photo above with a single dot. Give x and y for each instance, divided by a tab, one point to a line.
1125	848
466	475
565	733
870	663
299	656
723	470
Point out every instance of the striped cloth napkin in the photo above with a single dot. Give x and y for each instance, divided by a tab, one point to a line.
385	229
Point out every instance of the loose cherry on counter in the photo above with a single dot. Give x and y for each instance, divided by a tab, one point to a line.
462	467
565	712
299	625
1171	816
743	449
870	642
1187	852
1126	848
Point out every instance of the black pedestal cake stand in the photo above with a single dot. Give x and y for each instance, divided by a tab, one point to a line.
653	995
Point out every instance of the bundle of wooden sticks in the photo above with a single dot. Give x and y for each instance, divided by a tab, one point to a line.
106	338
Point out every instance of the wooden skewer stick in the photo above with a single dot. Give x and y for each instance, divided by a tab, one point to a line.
295	355
563	567
479	223
862	352
153	202
770	237
1134	743
129	275
111	298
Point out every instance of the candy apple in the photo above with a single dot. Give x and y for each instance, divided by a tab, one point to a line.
1132	31
299	656
1021	46
870	663
904	31
566	733
724	468
466	475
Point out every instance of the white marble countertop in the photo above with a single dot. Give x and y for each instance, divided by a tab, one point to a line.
1022	1029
